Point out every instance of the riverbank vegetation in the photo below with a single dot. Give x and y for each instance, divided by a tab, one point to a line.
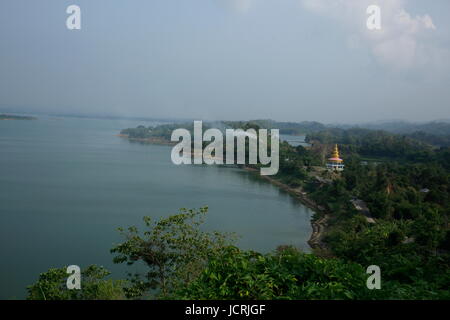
389	207
435	133
405	229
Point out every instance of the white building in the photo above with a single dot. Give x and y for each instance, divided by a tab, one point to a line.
335	163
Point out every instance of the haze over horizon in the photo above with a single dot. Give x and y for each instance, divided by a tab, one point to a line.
298	60
10	111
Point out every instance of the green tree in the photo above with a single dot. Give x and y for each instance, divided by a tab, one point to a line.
428	229
284	274
174	249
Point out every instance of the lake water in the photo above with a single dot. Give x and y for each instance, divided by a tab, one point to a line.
66	184
294	141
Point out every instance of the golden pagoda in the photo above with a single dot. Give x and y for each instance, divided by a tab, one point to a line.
335	163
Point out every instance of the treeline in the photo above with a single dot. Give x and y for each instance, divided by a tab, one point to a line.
436	128
287	128
433	133
381	144
165	130
142	132
435	140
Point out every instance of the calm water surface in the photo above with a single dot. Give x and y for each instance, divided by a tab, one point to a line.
66	184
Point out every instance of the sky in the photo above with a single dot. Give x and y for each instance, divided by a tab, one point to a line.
287	60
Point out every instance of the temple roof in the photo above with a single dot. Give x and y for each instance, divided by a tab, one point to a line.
335	155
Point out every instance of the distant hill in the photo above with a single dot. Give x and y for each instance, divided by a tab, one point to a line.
290	128
436	133
441	127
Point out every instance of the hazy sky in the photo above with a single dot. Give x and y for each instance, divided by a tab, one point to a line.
228	59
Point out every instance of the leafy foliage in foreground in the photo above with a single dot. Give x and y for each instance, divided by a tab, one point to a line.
184	262
283	274
173	249
290	274
51	285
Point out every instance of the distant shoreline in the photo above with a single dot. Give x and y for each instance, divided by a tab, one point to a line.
5	117
152	140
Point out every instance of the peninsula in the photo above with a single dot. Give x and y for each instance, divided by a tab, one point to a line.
14	117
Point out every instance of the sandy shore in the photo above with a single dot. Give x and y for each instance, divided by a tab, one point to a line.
153	140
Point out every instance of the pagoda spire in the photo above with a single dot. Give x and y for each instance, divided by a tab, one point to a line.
336	152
